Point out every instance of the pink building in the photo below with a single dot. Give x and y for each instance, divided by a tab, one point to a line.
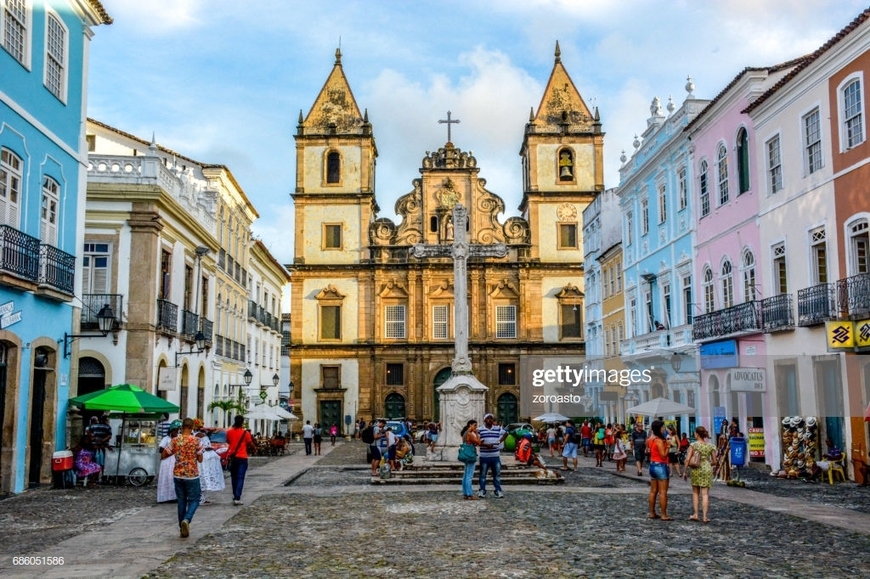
734	307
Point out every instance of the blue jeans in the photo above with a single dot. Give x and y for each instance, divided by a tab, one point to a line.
237	476
467	475
307	445
487	463
188	492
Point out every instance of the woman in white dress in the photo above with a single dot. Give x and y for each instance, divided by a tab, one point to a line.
211	473
165	479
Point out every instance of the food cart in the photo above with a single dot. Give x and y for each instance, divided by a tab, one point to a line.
137	456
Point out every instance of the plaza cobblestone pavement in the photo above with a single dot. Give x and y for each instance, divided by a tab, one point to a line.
330	521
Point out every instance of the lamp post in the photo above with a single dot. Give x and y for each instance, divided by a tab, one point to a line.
199	340
105	320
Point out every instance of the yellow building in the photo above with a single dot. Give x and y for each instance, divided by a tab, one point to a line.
612	397
372	327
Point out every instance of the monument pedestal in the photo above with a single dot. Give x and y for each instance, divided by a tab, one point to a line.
461	398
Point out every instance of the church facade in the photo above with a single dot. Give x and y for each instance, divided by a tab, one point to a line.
372	332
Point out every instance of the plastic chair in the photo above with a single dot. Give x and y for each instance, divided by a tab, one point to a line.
837	466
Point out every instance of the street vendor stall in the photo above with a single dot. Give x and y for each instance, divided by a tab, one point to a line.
136	459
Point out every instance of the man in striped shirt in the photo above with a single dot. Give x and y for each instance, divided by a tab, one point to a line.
491	437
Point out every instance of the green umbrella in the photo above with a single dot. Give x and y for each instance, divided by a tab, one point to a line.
123	398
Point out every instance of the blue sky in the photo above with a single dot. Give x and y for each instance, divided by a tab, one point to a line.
224	85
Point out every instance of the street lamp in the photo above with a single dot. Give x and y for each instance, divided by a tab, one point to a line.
199	340
677	361
275	379
248	377
105	320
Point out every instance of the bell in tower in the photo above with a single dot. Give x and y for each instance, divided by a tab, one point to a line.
566	166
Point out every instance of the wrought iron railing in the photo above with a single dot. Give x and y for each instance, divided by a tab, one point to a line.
207	329
222	255
777	313
252	309
817	304
56	269
189	324
219	345
853	295
19	253
93	303
740	318
167	316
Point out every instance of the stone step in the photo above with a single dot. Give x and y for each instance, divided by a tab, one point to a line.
458	481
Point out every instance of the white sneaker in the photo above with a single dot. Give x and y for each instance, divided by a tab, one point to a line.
238	503
481	494
499	495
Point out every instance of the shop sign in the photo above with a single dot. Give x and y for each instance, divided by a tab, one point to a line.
9	319
756	442
747	380
166	379
862	334
719	354
718	419
840	335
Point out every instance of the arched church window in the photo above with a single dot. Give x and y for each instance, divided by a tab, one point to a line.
333	167
566	165
433	224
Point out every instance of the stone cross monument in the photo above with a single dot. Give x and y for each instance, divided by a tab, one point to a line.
462	396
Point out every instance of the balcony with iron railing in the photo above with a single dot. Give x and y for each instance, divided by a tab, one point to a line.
56	270
93	303
189	324
167	316
207	329
19	258
817	304
853	296
777	313
252	310
771	314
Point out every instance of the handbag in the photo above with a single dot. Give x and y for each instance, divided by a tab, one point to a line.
232	460
694	460
467	453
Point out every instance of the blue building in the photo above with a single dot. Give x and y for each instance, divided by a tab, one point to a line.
43	64
655	193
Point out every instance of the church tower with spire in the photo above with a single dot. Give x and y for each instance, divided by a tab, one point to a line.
563	168
335	175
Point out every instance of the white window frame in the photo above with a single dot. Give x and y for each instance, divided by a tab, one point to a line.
709	291
726	277
845	115
811	138
93	252
629	226
687	298
722	174
644	216
55	62
858	231
747	265
663	203
441	322
779	262
49	211
682	189
773	147
819	254
27	30
704	187
11	183
394	322
506	322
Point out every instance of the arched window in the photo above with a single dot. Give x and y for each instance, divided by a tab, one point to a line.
859	247
566	165
722	169
749	293
743	160
333	167
704	189
10	187
727	285
709	300
48	213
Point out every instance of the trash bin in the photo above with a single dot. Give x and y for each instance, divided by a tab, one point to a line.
61	469
738	451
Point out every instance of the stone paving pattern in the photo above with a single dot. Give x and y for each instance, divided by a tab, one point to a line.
331	522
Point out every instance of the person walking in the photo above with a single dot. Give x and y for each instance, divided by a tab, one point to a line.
239	441
638	445
569	445
318	438
659	473
374	448
188	454
673	450
551	438
684	450
211	473
469	436
166	474
491	437
333	432
701	477
308	436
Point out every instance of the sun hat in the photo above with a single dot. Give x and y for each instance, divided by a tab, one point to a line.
488	415
174	424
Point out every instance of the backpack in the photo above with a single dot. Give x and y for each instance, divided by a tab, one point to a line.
368	435
524	451
608	436
576	437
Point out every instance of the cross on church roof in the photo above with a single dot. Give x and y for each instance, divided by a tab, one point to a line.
448	122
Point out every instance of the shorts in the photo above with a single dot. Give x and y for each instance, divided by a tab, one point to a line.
391	453
673	458
659	471
570	450
375	452
586	442
433	438
551	441
640	453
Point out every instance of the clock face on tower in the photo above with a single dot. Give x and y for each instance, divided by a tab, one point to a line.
566	212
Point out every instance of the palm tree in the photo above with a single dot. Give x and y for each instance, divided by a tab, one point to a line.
226	406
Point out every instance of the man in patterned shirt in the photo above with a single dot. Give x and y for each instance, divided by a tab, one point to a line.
188	455
491	437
